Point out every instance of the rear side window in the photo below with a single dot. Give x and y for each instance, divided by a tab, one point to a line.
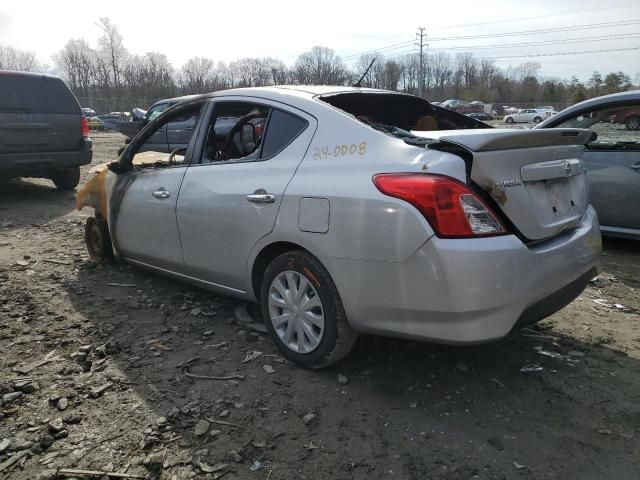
283	128
32	94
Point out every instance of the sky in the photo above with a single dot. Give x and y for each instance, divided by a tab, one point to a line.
227	31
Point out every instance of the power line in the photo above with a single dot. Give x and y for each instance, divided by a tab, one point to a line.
604	50
397	46
602	38
535	55
556	14
621	23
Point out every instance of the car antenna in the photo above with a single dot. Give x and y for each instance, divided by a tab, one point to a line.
359	82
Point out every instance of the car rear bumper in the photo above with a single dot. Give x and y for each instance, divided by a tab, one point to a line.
40	163
471	290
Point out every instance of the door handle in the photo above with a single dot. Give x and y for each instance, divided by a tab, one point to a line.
161	194
635	166
261	198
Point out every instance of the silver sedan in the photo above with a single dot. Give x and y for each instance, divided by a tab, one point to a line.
347	210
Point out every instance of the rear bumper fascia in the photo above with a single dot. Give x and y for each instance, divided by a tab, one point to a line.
38	164
471	290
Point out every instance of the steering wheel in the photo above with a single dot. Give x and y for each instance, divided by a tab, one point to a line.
230	150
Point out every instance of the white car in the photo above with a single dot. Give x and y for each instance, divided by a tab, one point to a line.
527	115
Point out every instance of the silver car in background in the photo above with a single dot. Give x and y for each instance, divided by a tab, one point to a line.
611	157
346	210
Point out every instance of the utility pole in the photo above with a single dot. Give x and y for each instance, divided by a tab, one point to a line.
421	37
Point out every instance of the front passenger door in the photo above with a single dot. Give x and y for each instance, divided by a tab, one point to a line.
143	222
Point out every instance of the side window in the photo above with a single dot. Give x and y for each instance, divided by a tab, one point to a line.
235	131
160	147
617	128
156	110
283	128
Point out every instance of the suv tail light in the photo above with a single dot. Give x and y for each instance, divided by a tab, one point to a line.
84	126
452	209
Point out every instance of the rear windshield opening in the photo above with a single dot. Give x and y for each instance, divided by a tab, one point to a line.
399	114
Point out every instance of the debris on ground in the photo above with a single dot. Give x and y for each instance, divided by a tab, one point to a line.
65	335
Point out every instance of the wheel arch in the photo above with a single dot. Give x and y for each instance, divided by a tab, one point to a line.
266	255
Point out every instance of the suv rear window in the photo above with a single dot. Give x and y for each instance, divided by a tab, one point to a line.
33	94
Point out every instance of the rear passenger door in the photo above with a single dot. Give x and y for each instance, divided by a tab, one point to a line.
229	199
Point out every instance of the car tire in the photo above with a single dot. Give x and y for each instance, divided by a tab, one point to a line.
537	120
509	120
66	178
333	340
98	239
633	123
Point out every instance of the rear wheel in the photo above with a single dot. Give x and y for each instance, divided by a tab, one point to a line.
633	123
66	178
303	311
509	120
98	240
537	120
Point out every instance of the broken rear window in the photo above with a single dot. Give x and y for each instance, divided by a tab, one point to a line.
399	114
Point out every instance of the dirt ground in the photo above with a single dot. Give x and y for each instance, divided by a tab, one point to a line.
97	365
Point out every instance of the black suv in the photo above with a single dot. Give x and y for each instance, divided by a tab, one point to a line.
43	132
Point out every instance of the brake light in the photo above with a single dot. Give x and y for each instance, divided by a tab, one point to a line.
452	209
84	126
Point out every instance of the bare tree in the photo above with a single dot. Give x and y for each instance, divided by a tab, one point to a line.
320	66
112	46
21	60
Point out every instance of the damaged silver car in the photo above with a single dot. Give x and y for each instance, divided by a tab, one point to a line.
352	210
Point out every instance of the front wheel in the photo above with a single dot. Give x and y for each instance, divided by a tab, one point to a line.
303	311
66	178
633	123
509	120
98	239
537	120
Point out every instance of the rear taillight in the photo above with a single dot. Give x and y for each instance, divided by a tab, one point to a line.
84	126
452	209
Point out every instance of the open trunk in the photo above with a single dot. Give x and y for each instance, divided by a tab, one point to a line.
536	177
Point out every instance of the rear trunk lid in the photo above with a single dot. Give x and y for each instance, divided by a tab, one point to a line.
536	177
38	113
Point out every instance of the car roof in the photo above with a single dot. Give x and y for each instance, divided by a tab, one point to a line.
15	73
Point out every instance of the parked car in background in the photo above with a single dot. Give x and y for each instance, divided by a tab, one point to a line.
132	124
480	116
89	112
463	107
630	118
344	210
43	132
527	115
95	123
612	158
